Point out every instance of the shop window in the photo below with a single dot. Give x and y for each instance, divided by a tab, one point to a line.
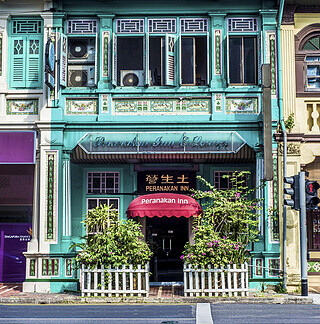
95	202
102	182
79	54
274	267
194	60
25	51
242	60
222	179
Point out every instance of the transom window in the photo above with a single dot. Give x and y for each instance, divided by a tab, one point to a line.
102	182
222	179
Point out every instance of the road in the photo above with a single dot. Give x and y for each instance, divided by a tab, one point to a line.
225	313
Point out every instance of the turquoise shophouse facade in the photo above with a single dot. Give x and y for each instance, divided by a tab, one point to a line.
147	96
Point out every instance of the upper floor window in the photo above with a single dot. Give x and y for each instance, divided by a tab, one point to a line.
79	53
26	43
242	48
312	64
145	52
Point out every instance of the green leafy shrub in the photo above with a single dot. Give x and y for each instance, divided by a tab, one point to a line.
228	224
111	242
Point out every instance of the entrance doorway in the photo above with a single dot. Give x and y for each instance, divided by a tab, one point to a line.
167	237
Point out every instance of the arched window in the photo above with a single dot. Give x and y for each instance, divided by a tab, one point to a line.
312	63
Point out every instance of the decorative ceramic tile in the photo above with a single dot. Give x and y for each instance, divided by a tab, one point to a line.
22	107
50	267
105	103
313	266
161	106
51	195
81	106
242	105
218	103
273	68
217	52
32	272
105	53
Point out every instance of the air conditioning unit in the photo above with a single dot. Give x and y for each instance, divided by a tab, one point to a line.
81	50
132	78
81	76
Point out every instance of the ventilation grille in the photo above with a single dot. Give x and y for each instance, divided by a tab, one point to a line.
196	25
162	25
26	27
130	26
85	26
238	25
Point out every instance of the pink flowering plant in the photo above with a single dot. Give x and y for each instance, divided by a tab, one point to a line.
116	242
227	225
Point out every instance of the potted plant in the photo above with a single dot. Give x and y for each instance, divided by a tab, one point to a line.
114	259
221	234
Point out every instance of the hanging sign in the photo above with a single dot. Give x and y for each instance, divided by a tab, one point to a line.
160	142
166	181
49	64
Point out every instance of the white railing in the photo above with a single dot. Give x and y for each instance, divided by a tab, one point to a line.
231	281
107	281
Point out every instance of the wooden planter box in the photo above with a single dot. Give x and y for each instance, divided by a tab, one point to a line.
231	281
122	281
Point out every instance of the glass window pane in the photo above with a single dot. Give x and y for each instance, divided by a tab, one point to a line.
92	203
187	60
114	203
249	60
235	64
130	60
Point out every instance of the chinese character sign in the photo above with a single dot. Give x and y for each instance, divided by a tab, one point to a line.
166	181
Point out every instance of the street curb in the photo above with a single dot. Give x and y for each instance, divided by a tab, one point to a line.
148	300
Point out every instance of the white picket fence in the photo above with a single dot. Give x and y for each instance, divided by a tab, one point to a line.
231	281
123	281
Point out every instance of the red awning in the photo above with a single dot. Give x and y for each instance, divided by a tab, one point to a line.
164	204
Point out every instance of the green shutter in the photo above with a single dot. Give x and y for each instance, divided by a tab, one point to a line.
18	62
33	65
170	59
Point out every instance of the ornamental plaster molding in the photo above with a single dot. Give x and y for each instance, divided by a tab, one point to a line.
292	149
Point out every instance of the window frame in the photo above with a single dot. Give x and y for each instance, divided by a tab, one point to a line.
242	36
26	55
67	36
177	35
305	68
116	179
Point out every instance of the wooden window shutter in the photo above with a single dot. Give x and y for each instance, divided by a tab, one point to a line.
170	59
34	62
18	77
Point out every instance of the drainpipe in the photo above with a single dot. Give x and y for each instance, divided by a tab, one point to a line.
280	104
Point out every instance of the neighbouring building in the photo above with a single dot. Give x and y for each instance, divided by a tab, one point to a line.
300	45
144	98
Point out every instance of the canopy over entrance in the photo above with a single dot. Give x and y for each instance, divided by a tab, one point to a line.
164	204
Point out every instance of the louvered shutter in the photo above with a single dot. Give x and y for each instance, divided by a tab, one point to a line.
170	59
63	59
33	63
18	53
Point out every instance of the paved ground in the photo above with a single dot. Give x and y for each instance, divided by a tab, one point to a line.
200	313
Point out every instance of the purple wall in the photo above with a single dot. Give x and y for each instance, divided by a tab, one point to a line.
17	147
13	242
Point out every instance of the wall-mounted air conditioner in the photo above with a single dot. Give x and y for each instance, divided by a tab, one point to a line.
81	76
81	50
132	78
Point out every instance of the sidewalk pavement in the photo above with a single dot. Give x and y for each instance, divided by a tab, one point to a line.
12	294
